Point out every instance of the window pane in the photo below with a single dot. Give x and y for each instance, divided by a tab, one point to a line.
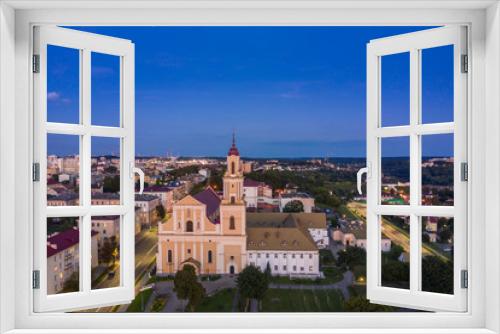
437	84
437	254
395	89
63	84
105	89
105	171
437	169
63	170
63	260
395	171
105	246
395	251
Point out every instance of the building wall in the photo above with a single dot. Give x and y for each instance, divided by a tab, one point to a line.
289	263
320	237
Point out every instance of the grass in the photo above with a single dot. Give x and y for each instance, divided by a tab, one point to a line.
291	300
221	301
159	303
135	306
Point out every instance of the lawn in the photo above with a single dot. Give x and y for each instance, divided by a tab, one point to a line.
221	301
291	300
136	304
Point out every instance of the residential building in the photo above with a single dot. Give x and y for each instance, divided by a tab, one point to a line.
63	259
256	192
147	214
353	233
106	227
166	195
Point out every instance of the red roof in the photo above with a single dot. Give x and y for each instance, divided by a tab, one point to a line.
63	240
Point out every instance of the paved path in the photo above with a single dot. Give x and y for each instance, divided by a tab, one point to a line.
342	285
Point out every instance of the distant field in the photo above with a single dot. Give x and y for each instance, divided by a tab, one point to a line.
289	300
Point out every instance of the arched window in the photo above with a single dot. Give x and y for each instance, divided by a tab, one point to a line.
209	256
232	167
231	223
169	256
189	226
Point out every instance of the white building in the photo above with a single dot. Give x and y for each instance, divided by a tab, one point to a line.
256	192
106	227
286	263
306	200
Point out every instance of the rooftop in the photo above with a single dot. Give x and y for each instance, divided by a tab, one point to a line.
63	240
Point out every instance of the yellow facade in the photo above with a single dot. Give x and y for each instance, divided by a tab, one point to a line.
205	231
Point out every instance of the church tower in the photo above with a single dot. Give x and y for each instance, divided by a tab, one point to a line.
232	209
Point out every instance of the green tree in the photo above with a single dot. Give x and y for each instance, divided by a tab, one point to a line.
361	304
437	275
111	184
109	250
294	206
186	286
72	283
396	274
351	256
252	283
160	211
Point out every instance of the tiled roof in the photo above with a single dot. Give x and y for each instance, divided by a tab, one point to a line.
283	219
63	240
296	195
157	188
105	196
252	183
210	198
145	197
273	238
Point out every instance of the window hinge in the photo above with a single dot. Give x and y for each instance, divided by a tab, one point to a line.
464	279
36	172
36	279
464	171
465	63
36	63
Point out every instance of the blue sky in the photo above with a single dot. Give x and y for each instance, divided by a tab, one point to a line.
287	91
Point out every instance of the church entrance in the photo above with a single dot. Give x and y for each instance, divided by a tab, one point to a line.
231	270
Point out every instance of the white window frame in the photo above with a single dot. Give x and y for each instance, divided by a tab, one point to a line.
16	20
413	43
86	44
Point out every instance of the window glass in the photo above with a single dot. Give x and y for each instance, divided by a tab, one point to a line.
105	89
395	251
63	170
63	255
63	84
395	89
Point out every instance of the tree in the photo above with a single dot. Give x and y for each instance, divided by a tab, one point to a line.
186	286
294	206
109	250
268	273
72	283
160	211
361	304
437	275
396	274
351	256
111	184
252	283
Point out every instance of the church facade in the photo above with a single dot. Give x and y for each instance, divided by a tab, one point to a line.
215	235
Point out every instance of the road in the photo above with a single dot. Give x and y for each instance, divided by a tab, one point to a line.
145	253
396	234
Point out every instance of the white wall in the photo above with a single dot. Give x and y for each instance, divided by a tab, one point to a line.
308	260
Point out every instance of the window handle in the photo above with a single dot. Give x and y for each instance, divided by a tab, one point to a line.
134	170
360	173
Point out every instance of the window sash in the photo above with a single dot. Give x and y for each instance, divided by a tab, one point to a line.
413	43
86	43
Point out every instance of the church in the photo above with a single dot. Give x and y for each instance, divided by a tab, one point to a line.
215	235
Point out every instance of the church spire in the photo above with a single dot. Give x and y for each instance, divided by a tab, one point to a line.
234	150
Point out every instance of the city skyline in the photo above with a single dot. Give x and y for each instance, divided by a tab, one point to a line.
286	97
